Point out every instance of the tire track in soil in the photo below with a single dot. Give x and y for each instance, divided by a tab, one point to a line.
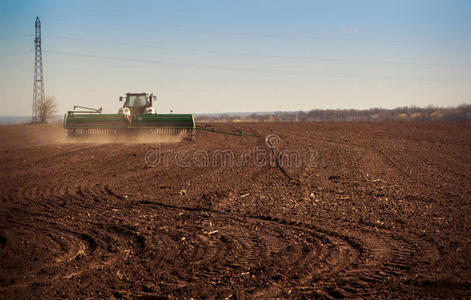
333	251
258	238
389	255
69	252
55	250
380	153
348	253
374	257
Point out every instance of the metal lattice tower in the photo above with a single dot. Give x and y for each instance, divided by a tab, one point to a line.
38	85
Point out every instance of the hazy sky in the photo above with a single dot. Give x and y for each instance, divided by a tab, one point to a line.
222	56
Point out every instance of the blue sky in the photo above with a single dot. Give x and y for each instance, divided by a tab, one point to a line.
222	56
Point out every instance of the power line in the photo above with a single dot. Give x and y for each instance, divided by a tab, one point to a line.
15	37
336	60
257	70
268	35
16	54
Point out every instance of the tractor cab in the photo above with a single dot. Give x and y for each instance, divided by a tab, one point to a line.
138	103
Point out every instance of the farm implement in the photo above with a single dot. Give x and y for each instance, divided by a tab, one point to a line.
135	117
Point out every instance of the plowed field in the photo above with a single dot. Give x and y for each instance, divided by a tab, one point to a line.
329	210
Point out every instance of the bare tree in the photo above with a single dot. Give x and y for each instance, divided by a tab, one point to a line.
47	108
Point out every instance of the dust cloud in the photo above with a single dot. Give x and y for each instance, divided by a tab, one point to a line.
20	136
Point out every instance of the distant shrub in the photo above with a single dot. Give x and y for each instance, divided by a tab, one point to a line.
47	109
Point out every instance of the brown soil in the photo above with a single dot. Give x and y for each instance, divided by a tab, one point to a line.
378	210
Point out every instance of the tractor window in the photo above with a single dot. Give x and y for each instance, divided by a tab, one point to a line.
137	101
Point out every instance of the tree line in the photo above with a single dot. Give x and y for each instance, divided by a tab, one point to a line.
410	113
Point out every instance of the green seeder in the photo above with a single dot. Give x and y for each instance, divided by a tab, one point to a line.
137	115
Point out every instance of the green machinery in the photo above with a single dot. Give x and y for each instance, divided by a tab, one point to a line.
137	115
